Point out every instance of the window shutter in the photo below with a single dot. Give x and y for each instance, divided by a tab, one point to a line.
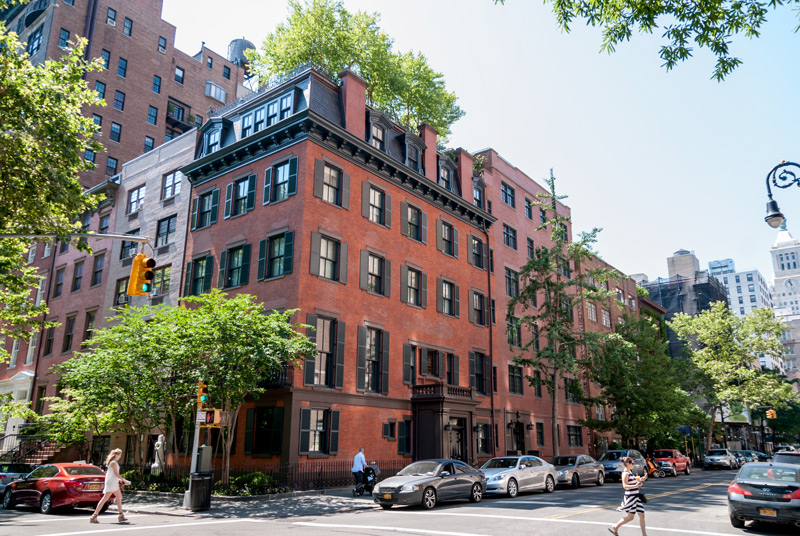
456	301
424	227
340	338
439	297
228	200
267	185
471	300
455	242
305	427
423	300
387	278
248	430
262	260
403	283
408	364
292	176
346	190
209	260
195	201
288	252
363	276
310	360
455	370
334	435
319	174
401	437
472	369
214	206
442	357
439	237
470	242
316	240
342	262
385	363
251	192
423	361
361	358
484	249
385	429
365	191
488	376
222	282
387	210
404	219
187	280
245	277
277	431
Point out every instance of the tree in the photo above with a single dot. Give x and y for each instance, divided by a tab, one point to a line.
725	349
710	25
548	291
325	33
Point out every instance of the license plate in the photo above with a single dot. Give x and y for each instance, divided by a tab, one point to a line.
95	486
768	512
387	495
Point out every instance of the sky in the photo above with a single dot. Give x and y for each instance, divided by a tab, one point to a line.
659	160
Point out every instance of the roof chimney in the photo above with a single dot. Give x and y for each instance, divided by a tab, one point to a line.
464	174
354	102
428	135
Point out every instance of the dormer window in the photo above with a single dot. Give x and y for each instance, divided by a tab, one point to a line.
447	169
378	137
212	141
413	158
478	193
259	120
378	129
247	125
286	106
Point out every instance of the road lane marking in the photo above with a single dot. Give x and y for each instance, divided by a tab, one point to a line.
533	502
153	527
386	528
101	518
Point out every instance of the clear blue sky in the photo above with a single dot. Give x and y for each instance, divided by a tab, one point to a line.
661	161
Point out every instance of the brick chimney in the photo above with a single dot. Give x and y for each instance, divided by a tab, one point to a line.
354	102
428	135
464	173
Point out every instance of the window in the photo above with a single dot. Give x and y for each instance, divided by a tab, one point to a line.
136	199
119	100
97	269
161	279
212	141
431	362
477	196
542	216
105	57
210	62
507	194
314	431
88	325
606	315
478	308
63	248
199	275
531	248
478	366
329	258
235	267
509	237
240	196
741	310
165	231
171	185
451	368
69	331
412	158
528	209
448	239
512	283
372	369
591	309
120	296
574	436
485	438
69	2
116	132
515	379
414	223
179	74
122	68
741	299
226	72
129	248
77	277
390	430
152	115
375	274
98	119
63	38
325	361
404	437
477	254
570	387
32	252
35	41
514	330
149	143
247	125
332	185
205	206
198	120
446	177
751	288
378	137
59	283
286	106
14	353
162	45
111	17
127	27
214	91
449	298
377	202
48	246
259	118
49	336
537	383
414	287
100	87
752	298
272	113
156	84
281	181
276	251
31	348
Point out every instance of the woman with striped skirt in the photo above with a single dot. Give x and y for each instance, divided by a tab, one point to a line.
631	503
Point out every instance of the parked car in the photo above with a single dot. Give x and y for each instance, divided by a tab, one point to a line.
787	457
741	459
765	492
784	448
720	458
55	485
613	467
577	470
9	472
759	456
513	474
671	461
427	482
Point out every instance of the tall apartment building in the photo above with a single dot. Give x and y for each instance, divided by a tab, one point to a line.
153	91
746	290
785	252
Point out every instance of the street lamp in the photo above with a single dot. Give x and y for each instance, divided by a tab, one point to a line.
781	177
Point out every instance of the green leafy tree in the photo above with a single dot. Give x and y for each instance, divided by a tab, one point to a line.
725	349
324	32
547	280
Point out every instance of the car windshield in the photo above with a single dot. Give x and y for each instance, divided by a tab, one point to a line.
717	452
500	463
15	468
564	460
663	454
420	468
786	457
611	456
769	473
88	470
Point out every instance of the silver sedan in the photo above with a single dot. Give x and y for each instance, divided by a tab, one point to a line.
512	474
578	469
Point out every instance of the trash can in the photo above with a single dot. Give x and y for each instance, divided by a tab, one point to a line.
200	492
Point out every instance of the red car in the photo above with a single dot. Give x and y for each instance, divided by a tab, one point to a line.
55	485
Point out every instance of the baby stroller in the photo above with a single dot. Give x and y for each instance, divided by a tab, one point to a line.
371	474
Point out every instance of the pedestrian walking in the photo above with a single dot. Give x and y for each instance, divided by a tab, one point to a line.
113	478
359	463
631	501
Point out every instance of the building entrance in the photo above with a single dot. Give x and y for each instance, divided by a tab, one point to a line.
458	438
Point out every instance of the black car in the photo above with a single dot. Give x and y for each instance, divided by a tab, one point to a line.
760	455
787	457
767	492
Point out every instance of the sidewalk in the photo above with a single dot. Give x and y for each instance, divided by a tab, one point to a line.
315	503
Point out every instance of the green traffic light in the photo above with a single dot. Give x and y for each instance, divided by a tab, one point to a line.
147	287
204	398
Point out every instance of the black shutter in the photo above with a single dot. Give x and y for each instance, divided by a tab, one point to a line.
245	272
472	369
342	262
319	174
214	206
439	237
365	190
316	240
456	366
404	219
187	280
439	297
334	432
401	437
292	189
471	300
209	260
456	301
387	210
424	231
223	262
249	426
267	185
385	363
423	300
361	358
288	252
251	192
228	200
455	242
305	427
441	358
346	190
387	278
363	275
408	364
276	437
262	259
404	283
195	202
310	360
340	338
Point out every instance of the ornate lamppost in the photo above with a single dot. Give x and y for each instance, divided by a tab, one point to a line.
783	176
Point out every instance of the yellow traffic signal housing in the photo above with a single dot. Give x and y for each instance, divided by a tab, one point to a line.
772	414
142	275
202	394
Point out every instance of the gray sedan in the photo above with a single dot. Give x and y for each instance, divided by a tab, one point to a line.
427	482
512	474
579	469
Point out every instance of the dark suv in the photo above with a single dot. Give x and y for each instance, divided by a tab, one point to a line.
613	467
787	457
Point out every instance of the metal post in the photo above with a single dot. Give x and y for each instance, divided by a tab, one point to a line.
193	467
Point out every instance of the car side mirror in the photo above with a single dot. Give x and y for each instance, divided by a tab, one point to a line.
445	473
523	466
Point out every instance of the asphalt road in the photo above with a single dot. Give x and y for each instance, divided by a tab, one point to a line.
694	504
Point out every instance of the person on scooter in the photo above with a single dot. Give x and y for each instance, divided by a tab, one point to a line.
359	463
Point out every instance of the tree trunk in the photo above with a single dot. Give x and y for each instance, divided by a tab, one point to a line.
227	445
556	450
710	433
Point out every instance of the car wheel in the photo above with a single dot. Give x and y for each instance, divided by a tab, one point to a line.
46	504
737	523
549	484
512	488
576	482
687	470
477	493
429	498
661	473
386	506
8	502
601	479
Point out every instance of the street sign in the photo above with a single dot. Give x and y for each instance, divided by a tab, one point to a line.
201	416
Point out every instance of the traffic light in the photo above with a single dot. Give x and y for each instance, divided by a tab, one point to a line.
210	415
772	414
202	394
142	275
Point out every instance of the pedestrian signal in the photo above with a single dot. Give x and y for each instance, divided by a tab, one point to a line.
142	275
202	394
772	414
210	415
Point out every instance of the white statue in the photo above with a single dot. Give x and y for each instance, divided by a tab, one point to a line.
161	446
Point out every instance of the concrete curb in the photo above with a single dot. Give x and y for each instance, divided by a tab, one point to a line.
228	498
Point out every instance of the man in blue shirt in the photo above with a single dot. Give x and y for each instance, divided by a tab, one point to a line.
359	463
